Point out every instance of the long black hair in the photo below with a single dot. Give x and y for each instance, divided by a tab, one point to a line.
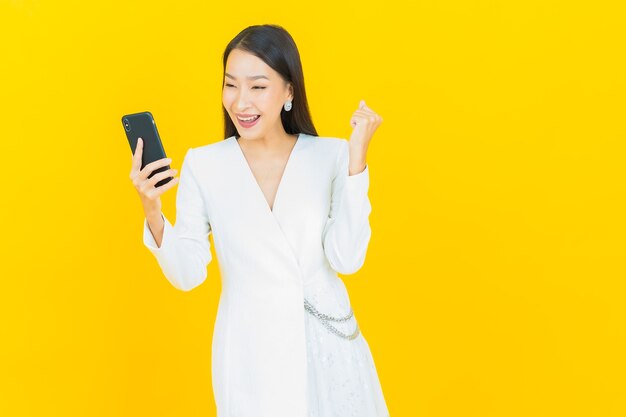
275	46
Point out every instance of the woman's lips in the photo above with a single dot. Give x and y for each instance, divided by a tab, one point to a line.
248	124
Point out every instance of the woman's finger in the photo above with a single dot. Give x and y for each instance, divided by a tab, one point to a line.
153	166
136	159
138	151
160	176
372	118
366	111
362	113
157	191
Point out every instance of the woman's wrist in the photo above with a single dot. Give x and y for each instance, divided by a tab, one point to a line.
357	160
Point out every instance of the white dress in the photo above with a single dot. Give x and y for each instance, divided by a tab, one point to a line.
342	377
271	357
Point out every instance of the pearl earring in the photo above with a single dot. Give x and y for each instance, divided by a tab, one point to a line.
287	106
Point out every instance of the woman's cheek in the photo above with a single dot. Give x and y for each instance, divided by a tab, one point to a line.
229	94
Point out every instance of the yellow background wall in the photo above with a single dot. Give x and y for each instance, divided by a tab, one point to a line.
495	279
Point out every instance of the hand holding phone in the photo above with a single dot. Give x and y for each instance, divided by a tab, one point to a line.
142	125
145	182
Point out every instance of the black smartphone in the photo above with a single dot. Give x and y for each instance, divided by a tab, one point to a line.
142	125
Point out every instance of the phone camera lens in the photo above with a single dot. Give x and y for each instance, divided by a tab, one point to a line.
127	125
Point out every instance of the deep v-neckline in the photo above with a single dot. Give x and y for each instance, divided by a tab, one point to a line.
271	209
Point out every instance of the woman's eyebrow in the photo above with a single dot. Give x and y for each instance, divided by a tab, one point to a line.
254	77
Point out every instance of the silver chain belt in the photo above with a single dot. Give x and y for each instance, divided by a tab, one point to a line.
325	319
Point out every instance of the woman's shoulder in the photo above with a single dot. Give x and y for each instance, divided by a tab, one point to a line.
328	143
211	150
326	140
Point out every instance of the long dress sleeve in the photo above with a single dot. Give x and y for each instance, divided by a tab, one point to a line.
347	231
185	249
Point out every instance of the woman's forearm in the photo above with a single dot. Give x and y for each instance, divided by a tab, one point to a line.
156	225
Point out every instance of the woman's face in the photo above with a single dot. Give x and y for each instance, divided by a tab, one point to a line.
253	88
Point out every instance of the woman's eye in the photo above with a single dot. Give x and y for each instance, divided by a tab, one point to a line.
261	88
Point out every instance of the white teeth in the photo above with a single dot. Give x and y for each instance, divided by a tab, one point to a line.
249	119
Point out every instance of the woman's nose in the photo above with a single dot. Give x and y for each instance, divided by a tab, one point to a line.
241	101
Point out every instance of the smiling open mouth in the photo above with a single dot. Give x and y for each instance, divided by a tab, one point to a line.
248	121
